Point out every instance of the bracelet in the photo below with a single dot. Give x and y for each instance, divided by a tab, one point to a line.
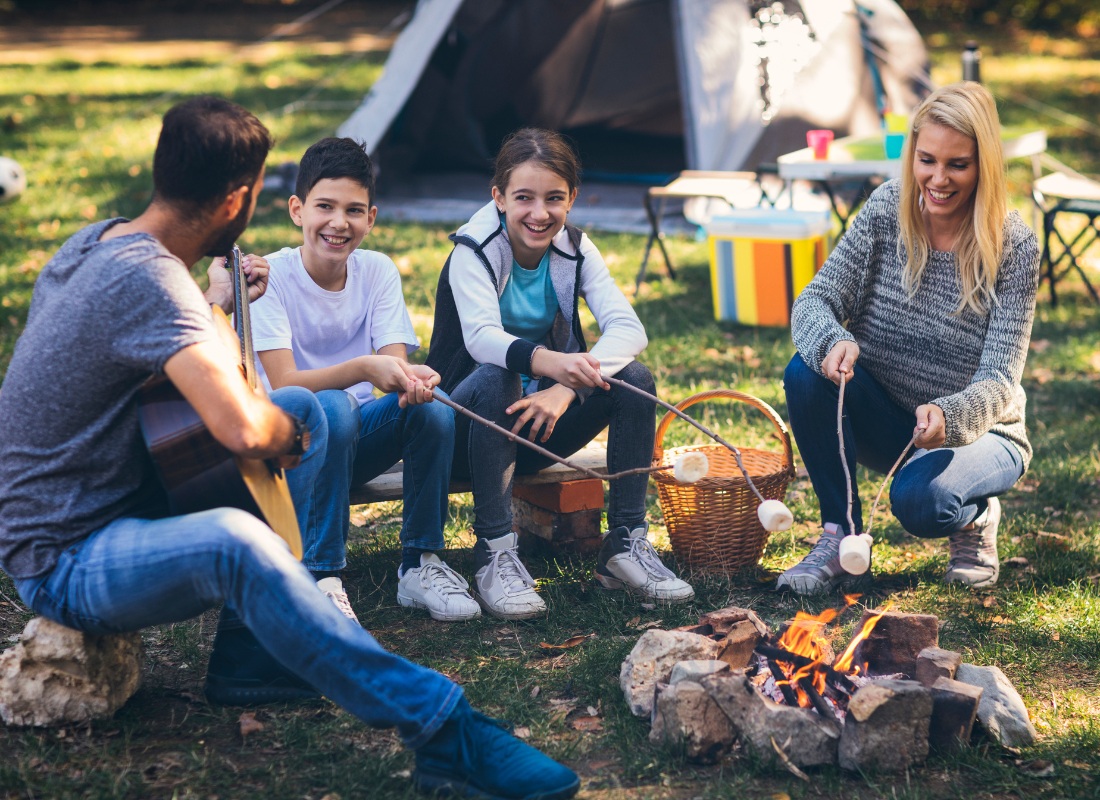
531	362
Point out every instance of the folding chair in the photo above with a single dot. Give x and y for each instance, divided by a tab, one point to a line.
1059	194
727	186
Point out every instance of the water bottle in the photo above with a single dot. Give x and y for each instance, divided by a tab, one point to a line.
972	62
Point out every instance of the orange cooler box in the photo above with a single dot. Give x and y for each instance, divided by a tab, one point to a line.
760	259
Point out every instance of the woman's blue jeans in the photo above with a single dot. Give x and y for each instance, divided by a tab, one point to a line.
933	494
138	572
363	442
490	461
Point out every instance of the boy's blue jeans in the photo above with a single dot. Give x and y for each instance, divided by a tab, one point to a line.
363	442
933	494
134	573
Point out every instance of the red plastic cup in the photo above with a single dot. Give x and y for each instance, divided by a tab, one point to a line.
819	141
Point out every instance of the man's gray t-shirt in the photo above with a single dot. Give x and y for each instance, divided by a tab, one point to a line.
103	318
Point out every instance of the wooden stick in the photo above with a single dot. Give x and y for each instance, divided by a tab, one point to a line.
691	421
542	451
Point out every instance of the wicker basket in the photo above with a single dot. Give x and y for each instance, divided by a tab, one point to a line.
712	523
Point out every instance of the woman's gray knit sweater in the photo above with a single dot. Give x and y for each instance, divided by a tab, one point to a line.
919	349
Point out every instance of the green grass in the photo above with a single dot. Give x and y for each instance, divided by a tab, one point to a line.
85	133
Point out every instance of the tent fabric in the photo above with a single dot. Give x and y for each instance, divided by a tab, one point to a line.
648	86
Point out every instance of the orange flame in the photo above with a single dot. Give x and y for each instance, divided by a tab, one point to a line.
844	663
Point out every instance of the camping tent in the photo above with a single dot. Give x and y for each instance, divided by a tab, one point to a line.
642	86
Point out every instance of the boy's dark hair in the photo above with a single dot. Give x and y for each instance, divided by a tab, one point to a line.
335	158
548	149
208	147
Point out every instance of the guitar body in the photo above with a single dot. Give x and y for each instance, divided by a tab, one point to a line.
198	472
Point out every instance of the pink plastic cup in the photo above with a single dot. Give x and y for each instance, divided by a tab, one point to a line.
819	141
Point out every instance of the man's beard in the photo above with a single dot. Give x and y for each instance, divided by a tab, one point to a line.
228	236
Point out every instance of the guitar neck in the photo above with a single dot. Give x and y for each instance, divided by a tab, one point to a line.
242	320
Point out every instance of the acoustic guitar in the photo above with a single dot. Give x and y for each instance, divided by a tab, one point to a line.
197	471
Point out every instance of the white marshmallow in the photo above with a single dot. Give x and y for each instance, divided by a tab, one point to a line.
690	467
855	553
774	516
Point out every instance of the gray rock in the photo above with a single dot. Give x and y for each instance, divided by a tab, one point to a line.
1001	711
59	676
737	646
806	738
695	670
935	662
686	715
651	661
954	708
886	729
724	619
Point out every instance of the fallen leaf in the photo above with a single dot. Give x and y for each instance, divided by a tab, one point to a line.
647	606
572	641
989	601
1055	541
1016	561
358	519
1039	345
1056	636
1037	768
592	711
535	692
249	724
781	796
1042	375
521	732
651	624
633	622
588	723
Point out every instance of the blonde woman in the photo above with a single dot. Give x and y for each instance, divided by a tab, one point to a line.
925	307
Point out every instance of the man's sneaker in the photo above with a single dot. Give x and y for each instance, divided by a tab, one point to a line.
473	756
820	571
628	561
974	559
504	586
435	586
333	589
243	673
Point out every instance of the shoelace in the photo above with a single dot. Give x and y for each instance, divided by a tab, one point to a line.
642	552
966	549
513	575
442	579
824	551
342	603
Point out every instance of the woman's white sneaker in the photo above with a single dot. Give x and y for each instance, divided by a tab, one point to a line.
439	589
504	586
333	589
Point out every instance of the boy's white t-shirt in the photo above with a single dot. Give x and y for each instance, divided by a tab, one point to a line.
323	328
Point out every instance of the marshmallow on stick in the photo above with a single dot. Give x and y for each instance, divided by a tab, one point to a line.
855	553
691	467
774	516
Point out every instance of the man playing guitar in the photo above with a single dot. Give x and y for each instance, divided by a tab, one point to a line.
85	531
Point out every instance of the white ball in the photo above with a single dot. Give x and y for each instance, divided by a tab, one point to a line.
13	180
691	467
774	516
855	553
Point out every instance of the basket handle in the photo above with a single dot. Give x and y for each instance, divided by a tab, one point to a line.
783	434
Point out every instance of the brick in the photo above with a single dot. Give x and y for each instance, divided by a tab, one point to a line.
549	532
563	497
895	641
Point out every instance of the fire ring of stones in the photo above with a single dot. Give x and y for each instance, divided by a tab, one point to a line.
881	705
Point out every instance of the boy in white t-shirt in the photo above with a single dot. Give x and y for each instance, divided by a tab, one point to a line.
334	320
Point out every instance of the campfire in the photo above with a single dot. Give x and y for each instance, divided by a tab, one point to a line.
890	697
798	668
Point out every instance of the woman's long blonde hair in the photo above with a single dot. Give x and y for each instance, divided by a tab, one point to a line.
968	108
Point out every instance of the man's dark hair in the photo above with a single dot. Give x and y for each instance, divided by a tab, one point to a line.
335	158
208	147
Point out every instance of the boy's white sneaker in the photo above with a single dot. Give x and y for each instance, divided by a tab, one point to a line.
504	586
439	589
333	589
628	561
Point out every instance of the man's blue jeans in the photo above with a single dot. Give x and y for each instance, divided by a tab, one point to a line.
363	442
934	493
136	572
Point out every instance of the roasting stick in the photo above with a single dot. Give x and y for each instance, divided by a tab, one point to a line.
681	470
773	514
855	550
